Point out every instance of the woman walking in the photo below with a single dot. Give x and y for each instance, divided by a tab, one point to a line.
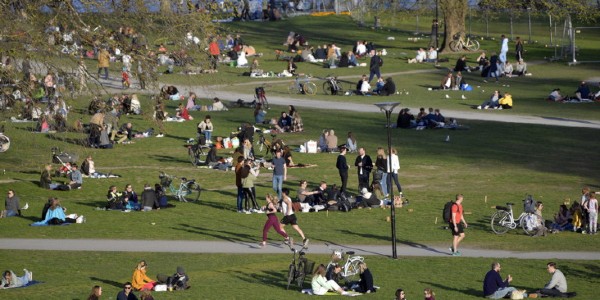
272	221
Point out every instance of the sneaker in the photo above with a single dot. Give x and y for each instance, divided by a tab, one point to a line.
451	248
160	135
499	107
479	107
247	212
457	253
262	244
305	242
289	241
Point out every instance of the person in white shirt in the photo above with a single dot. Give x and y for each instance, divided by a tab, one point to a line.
395	165
361	49
126	58
432	55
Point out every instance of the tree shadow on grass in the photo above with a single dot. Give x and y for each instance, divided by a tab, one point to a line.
271	278
164	158
93	204
468	291
219	234
108	282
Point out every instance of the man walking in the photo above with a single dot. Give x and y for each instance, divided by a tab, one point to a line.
342	166
279	173
493	286
374	65
364	164
457	225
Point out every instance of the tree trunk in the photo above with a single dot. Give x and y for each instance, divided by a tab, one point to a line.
165	7
454	13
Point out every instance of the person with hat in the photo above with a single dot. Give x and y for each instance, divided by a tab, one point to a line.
179	280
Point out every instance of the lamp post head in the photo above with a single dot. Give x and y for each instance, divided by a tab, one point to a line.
387	106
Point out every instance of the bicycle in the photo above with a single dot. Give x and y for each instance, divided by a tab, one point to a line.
302	85
272	146
503	219
351	267
197	153
188	190
459	44
332	86
299	267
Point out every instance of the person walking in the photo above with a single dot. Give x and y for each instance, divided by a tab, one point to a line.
456	226
365	165
493	285
279	172
503	50
103	62
342	166
395	165
375	63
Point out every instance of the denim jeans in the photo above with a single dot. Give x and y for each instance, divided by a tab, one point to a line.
240	197
384	182
278	184
501	293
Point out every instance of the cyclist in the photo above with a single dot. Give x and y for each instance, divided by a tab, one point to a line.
289	216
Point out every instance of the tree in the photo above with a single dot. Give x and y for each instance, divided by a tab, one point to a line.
454	13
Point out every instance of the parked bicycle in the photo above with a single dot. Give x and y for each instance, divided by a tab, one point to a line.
197	152
351	268
299	267
503	219
302	85
271	146
187	191
459	43
332	86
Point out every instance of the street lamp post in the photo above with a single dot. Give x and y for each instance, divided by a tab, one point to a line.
529	17
388	107
436	25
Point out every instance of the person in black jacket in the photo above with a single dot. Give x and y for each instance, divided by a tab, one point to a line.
374	65
342	166
365	285
364	166
389	88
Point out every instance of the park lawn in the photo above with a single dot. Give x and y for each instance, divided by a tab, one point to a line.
70	275
551	163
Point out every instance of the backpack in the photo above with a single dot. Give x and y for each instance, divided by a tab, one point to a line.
343	202
380	61
447	213
529	204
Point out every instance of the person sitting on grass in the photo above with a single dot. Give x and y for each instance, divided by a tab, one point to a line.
284	124
492	103
10	279
140	281
126	293
11	205
320	285
493	285
562	220
365	285
556	96
368	199
583	92
149	199
54	214
506	102
557	286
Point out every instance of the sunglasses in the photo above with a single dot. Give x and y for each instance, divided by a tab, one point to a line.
127	287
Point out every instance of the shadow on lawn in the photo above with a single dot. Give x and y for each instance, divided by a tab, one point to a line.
164	159
219	234
272	278
468	291
107	281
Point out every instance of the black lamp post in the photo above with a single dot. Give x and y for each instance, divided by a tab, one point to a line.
388	107
436	25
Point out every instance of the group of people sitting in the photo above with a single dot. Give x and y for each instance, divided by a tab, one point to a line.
497	101
383	87
74	179
54	214
431	119
582	94
128	200
496	68
580	217
289	121
430	56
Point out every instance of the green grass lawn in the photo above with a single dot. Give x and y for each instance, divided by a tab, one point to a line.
70	275
491	164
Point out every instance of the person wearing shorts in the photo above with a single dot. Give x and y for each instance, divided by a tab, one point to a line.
289	216
457	228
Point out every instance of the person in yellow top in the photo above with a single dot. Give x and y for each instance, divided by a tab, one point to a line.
140	281
506	102
103	62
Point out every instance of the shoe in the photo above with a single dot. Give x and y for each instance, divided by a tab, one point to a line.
26	206
532	295
479	107
499	107
263	243
160	135
305	242
258	211
457	253
247	212
289	241
451	249
485	81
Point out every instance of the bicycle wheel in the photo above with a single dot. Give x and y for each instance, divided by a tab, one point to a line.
191	192
327	88
351	268
293	88
291	275
310	88
499	222
300	274
473	45
527	228
454	46
192	155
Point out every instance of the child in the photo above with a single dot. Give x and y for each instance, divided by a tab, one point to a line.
429	294
593	212
577	216
125	78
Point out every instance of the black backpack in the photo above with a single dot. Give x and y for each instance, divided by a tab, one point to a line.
447	213
380	62
343	202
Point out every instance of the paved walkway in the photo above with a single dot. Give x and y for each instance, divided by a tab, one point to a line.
239	247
